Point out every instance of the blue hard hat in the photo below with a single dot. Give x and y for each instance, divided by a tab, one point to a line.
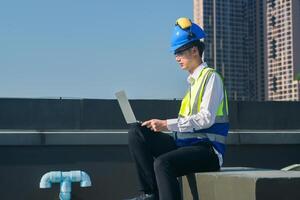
185	33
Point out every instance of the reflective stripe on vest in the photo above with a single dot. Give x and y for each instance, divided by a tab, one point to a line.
212	137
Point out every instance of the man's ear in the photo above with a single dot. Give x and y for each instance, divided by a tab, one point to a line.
195	51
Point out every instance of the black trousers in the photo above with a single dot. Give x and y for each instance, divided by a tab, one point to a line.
159	161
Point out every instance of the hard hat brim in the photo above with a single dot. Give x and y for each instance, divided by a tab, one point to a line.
177	47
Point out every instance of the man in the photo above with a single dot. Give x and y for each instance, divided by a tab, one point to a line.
198	140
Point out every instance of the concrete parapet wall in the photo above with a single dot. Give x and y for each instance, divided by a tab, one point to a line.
46	114
40	135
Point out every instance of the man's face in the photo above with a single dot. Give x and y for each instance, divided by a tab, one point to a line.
184	58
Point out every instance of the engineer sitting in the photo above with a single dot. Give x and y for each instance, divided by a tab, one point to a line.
199	132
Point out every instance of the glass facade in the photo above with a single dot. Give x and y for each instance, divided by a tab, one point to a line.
282	46
238	46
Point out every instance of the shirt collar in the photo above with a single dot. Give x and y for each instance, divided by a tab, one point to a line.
192	77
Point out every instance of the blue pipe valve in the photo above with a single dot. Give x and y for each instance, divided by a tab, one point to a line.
65	179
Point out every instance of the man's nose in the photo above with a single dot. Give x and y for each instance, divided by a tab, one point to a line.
177	58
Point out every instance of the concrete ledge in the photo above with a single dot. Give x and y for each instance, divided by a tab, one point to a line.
263	137
119	137
72	137
246	184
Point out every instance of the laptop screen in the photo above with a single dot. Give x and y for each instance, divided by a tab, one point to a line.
125	107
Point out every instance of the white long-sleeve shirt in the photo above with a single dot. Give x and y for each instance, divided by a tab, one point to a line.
212	98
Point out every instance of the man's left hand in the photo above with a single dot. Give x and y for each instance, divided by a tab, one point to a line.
156	125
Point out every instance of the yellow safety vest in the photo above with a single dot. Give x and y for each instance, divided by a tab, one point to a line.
190	105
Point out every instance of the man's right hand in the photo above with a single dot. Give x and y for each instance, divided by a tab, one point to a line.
156	125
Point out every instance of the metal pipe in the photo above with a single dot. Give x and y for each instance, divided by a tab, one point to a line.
65	179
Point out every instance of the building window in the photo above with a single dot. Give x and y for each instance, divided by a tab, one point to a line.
273	18
272	3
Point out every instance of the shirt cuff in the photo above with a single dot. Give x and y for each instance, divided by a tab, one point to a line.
172	124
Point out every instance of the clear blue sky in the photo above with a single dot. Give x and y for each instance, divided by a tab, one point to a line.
90	48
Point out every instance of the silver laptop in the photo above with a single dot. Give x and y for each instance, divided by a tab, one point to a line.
126	108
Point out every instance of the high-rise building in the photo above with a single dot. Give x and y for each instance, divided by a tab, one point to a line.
283	49
235	44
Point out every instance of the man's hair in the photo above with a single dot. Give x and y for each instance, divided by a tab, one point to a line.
197	43
200	45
